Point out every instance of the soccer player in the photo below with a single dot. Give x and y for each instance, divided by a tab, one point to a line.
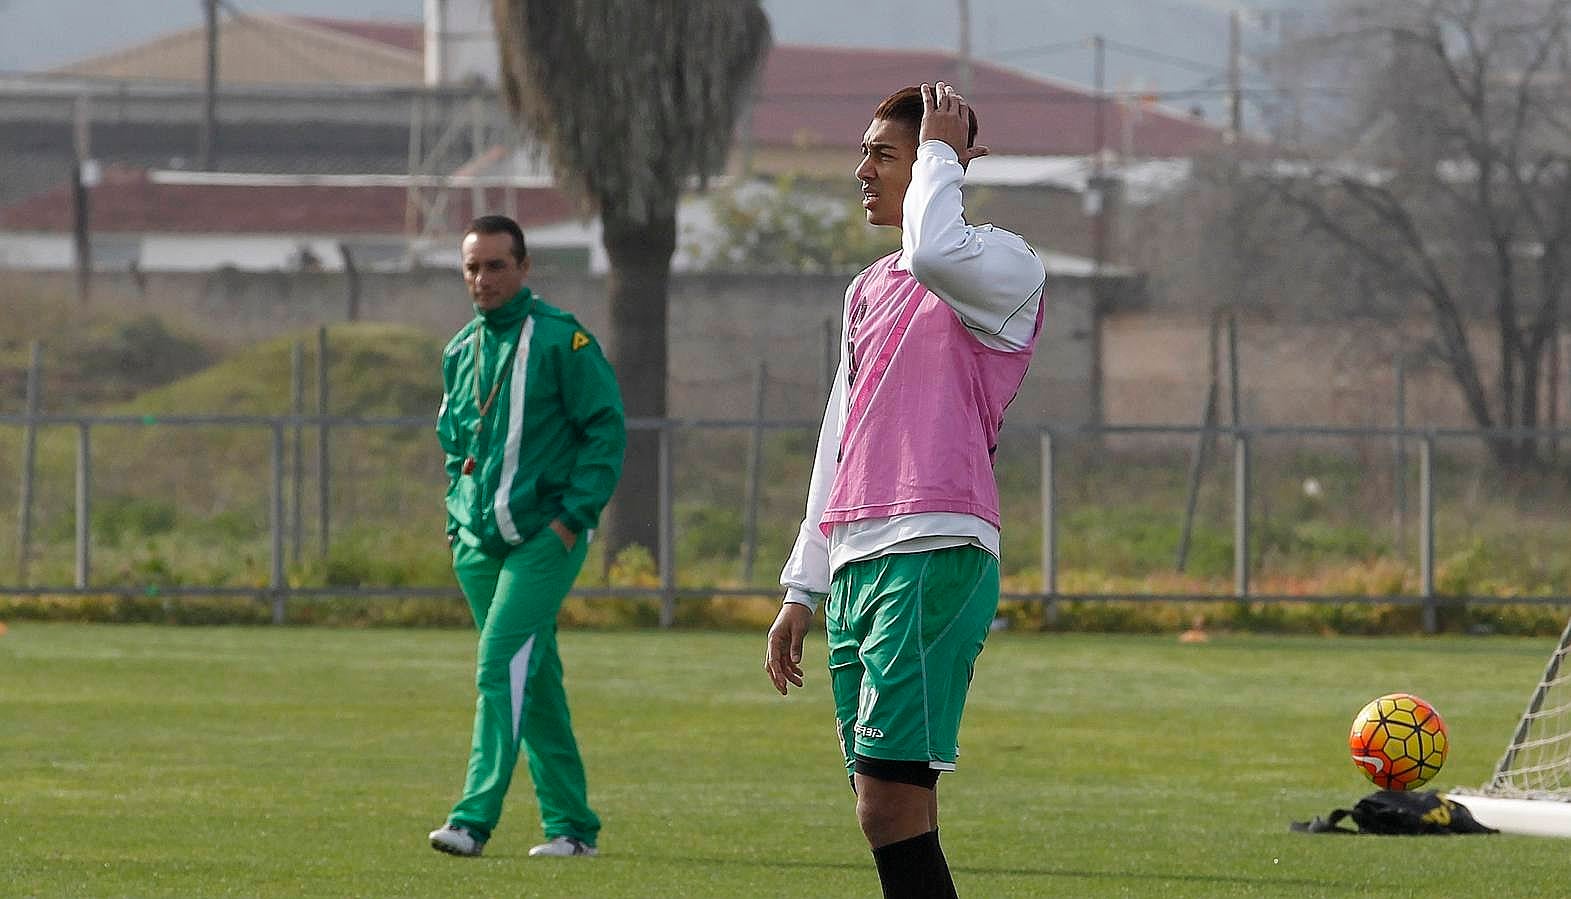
531	423
902	521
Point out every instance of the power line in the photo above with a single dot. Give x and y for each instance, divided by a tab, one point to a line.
1086	43
1168	58
1042	49
1082	43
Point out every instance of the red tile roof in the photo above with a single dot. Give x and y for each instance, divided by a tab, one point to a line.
128	200
825	96
408	36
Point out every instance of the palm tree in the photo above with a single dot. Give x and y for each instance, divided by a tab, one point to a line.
631	101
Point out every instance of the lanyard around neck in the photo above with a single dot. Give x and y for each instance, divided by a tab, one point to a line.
496	382
468	467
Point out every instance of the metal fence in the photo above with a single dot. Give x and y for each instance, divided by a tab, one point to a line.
1244	502
287	471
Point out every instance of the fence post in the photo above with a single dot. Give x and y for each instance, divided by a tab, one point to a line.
84	503
755	464
24	512
1049	533
297	458
275	580
323	465
1241	515
1204	443
351	281
1197	468
1399	459
1426	524
1234	393
667	531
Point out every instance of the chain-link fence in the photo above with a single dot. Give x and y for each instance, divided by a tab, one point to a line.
301	506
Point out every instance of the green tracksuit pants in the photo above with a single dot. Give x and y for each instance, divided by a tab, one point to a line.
515	601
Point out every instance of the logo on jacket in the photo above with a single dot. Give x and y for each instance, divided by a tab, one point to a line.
580	340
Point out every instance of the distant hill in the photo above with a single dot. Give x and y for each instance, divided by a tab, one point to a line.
119	362
376	370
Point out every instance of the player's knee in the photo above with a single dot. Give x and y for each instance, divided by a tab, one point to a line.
493	676
889	815
875	816
894	798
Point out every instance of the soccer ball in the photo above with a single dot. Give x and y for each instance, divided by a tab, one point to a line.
1399	741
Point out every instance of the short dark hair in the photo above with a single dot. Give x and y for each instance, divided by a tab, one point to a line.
905	106
501	224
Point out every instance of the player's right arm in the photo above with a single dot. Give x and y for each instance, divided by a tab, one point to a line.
806	573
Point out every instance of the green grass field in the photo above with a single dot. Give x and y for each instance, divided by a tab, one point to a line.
144	761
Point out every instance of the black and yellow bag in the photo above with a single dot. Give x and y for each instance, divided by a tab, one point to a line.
1395	812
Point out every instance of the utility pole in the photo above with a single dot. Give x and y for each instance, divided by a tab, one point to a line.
964	77
1098	175
207	149
435	43
1235	78
84	174
1098	193
1236	270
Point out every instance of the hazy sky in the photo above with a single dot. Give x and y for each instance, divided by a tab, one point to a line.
39	34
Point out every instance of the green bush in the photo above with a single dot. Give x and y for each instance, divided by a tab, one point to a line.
708	531
379	557
118	517
634	566
1312	541
236	524
1463	572
1127	540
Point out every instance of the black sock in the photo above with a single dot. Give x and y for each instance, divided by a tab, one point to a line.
914	869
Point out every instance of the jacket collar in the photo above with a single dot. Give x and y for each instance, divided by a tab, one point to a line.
509	314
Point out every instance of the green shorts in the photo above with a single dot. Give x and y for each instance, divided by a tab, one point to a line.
904	633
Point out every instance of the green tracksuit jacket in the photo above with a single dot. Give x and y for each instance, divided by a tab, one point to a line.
548	445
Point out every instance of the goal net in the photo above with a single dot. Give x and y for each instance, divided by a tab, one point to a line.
1530	791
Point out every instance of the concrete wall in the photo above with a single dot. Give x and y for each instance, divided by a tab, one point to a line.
1155	361
721	326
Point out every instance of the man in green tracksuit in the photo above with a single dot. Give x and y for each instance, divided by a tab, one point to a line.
531	422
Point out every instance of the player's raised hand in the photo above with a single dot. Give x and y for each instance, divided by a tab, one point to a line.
946	117
783	656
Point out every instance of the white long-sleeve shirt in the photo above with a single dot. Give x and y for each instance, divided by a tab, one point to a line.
993	281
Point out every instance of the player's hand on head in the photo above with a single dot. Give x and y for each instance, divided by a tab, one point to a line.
947	117
972	153
783	651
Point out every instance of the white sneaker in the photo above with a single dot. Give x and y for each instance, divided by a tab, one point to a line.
563	847
455	839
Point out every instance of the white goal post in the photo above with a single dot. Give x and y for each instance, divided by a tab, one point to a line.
1530	792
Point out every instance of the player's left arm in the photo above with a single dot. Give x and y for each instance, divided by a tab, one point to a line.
594	408
990	277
